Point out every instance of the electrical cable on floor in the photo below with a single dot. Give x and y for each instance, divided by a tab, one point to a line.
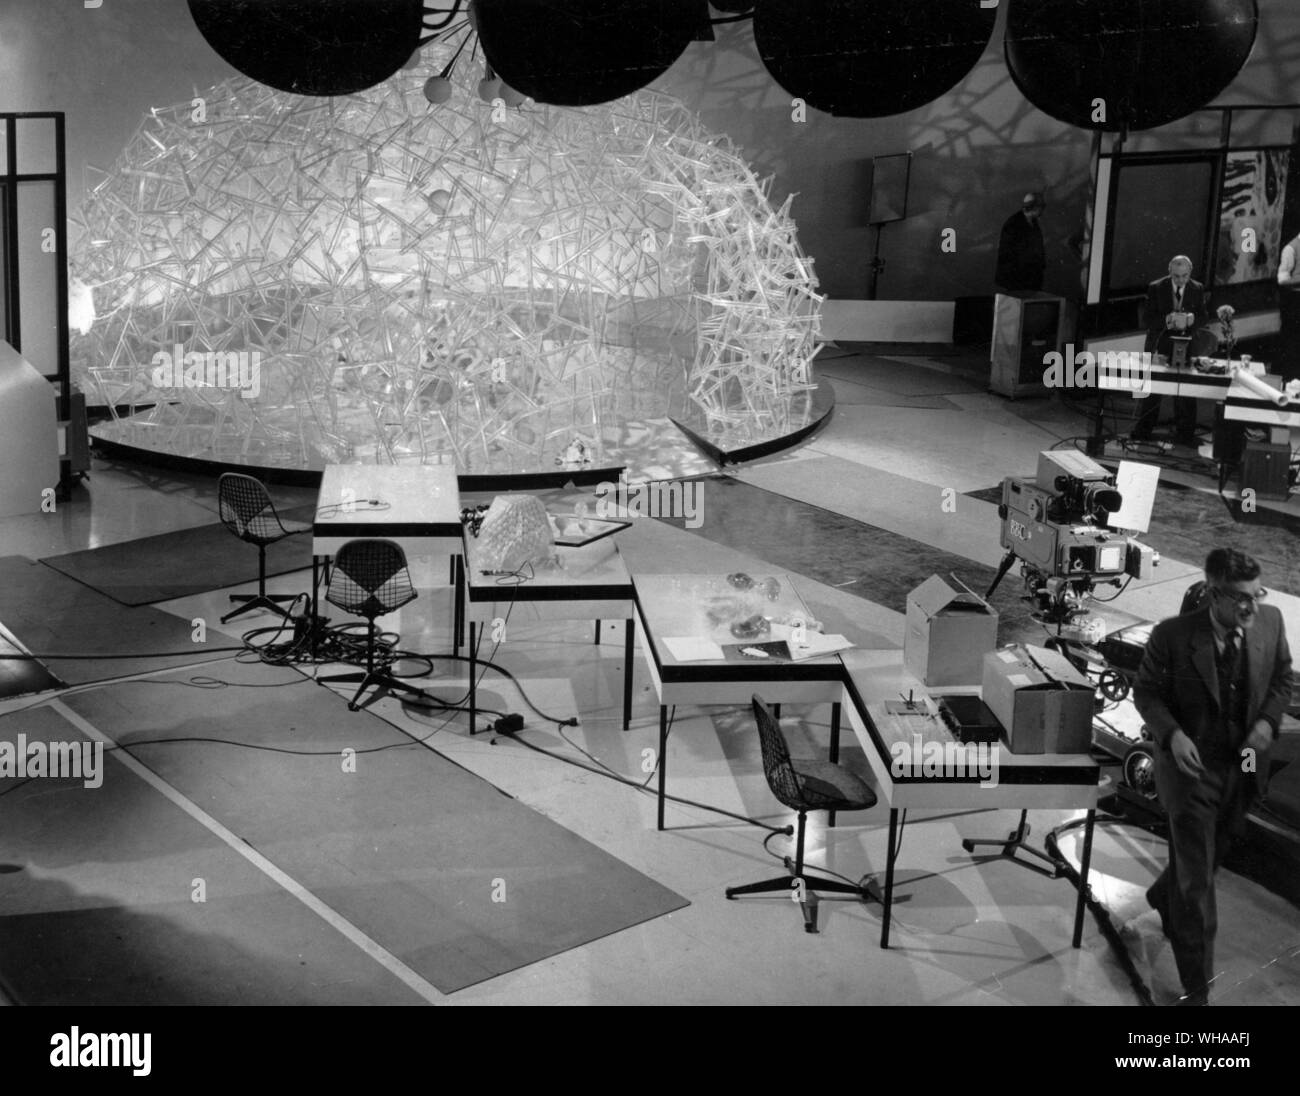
610	774
344	646
1098	909
129	746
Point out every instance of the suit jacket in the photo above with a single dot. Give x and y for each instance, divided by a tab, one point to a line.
1022	257
1178	688
1160	302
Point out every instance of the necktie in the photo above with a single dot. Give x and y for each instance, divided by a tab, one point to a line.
1178	299
1231	652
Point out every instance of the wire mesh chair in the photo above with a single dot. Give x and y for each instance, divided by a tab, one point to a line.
804	786
248	512
370	578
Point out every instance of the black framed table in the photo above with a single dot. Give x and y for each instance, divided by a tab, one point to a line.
696	607
589	583
1024	781
415	505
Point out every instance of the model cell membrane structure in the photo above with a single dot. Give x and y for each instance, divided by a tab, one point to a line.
292	282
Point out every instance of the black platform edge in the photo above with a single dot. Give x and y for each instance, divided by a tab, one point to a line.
823	403
311	477
132	454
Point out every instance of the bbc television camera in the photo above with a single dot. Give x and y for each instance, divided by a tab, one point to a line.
1056	525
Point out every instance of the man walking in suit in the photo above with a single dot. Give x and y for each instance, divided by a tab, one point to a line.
1174	303
1212	690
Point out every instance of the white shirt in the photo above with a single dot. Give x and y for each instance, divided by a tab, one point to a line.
1286	267
1221	634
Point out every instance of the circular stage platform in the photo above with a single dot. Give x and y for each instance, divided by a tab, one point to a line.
644	451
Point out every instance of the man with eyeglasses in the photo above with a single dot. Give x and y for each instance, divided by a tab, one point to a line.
1177	304
1212	690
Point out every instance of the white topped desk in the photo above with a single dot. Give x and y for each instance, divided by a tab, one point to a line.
417	503
1243	405
1024	781
418	508
590	583
1188	383
697	606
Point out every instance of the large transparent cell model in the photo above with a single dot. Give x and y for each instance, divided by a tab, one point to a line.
295	282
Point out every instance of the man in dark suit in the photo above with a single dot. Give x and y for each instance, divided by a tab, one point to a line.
1022	258
1212	690
1174	303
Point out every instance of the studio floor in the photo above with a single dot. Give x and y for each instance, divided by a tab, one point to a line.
908	437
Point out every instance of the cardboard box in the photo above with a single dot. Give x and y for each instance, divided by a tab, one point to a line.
1044	703
948	632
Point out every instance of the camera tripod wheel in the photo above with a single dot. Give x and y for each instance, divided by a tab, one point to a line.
1139	769
1114	685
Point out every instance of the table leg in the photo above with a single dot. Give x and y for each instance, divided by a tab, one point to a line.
889	877
1083	879
596	641
458	603
472	694
629	633
315	591
663	758
835	751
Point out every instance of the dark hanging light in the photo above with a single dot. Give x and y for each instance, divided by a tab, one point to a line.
1120	65
870	58
581	52
314	47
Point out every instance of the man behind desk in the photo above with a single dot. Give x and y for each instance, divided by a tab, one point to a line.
1213	687
1167	297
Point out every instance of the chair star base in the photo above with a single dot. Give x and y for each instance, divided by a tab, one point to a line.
812	885
253	602
382	678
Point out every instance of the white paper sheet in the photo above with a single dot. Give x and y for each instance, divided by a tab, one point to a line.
692	649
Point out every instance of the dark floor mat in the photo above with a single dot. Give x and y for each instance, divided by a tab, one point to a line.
20	674
183	563
455	878
50	613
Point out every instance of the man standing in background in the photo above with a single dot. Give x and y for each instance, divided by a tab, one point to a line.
1288	307
1022	258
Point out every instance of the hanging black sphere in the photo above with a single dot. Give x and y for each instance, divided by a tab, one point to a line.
312	47
870	58
1127	64
581	52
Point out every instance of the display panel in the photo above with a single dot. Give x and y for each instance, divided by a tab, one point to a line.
1251	202
1161	210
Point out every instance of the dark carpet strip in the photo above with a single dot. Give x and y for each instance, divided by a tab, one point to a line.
456	878
183	563
50	613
